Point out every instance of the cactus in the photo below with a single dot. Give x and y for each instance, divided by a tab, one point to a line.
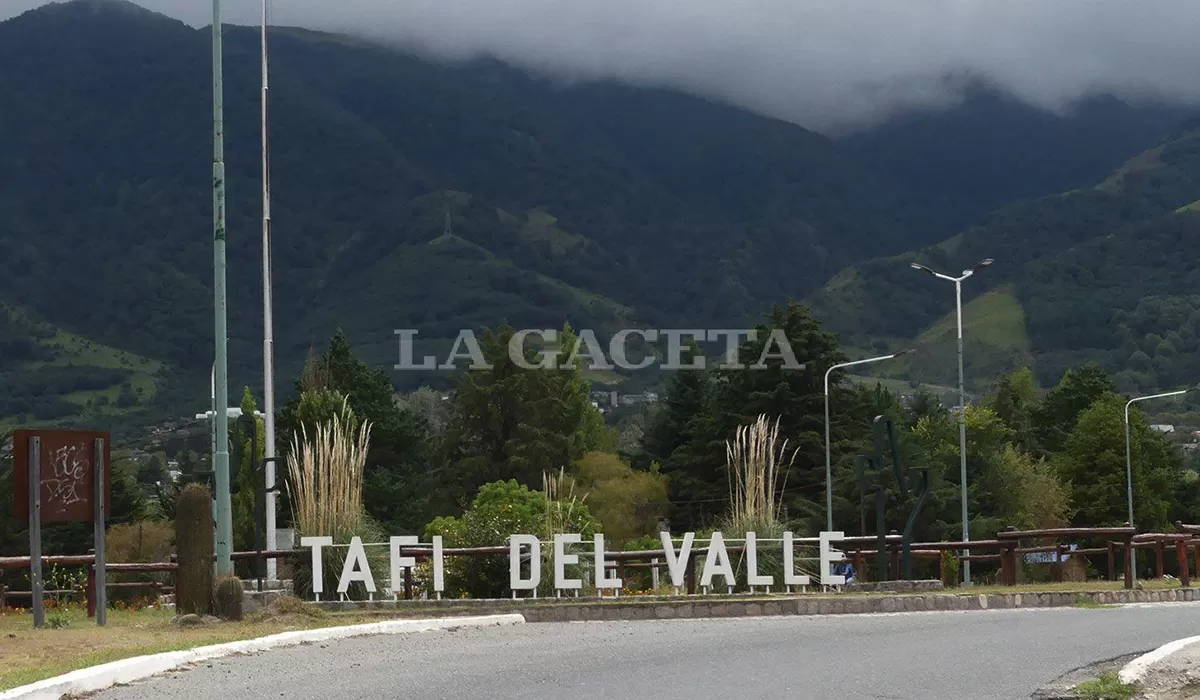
228	597
194	547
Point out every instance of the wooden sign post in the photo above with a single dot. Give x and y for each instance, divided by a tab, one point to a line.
66	479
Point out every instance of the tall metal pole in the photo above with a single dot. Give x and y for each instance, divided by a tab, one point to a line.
828	467
1129	463
268	324
962	399
1129	491
828	460
962	432
224	511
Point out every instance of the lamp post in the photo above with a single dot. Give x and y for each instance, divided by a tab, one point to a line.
828	463
1129	463
962	399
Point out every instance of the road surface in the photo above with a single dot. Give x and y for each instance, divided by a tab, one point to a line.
1002	654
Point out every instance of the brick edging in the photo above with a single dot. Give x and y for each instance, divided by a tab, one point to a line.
698	607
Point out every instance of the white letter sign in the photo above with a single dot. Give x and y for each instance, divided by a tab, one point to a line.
356	567
677	564
602	581
752	576
561	559
514	563
399	562
318	571
828	557
717	562
789	567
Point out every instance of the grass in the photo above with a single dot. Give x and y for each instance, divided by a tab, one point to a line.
28	655
995	318
1106	687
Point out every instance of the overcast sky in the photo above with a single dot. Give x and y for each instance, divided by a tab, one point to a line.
821	63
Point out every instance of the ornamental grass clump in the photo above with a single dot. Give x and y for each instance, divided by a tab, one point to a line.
326	492
757	462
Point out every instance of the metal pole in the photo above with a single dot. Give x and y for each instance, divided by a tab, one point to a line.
224	511
35	531
101	515
268	325
828	467
962	432
1129	487
828	461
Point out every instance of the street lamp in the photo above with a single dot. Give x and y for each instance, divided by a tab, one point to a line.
828	468
1129	463
962	399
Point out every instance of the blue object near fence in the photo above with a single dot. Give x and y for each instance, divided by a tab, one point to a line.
1048	557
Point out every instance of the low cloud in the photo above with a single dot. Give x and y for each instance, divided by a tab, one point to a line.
827	64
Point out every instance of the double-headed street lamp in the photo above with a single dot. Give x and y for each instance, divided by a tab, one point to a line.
828	467
962	400
1129	461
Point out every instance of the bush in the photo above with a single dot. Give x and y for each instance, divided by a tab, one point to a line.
950	575
501	509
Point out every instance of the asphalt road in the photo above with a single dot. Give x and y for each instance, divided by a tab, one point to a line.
982	655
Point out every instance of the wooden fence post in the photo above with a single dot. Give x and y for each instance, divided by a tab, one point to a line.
91	590
1182	553
1128	542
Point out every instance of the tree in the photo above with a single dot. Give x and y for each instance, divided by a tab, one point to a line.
1015	401
1093	462
770	384
397	463
248	481
514	422
938	438
628	503
1078	389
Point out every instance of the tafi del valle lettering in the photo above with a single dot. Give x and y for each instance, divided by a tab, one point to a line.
717	562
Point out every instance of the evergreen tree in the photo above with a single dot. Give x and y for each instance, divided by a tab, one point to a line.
1093	462
1078	389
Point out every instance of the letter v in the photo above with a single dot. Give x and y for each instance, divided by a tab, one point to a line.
677	563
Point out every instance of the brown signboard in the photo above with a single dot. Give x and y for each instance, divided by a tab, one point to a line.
67	474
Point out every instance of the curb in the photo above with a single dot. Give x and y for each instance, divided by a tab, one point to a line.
579	610
104	676
1136	670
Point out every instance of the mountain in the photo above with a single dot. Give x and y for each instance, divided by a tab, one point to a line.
1100	273
597	203
991	150
411	194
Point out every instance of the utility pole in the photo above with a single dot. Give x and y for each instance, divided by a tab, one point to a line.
224	510
268	324
962	399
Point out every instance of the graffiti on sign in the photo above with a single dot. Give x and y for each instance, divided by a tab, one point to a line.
67	467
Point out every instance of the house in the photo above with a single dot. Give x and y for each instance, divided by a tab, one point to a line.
1162	428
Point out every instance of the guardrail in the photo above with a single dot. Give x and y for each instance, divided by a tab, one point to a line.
1004	548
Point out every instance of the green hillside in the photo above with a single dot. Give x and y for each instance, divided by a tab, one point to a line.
409	194
1093	274
50	374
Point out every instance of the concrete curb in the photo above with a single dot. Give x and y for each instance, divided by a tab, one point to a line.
631	608
1136	670
88	680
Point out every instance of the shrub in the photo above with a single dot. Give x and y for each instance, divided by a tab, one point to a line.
501	509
